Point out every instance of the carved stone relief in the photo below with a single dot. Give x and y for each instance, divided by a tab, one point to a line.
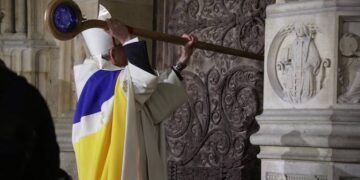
349	69
349	178
208	137
296	69
279	176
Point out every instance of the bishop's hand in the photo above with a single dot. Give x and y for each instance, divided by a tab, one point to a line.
118	30
186	52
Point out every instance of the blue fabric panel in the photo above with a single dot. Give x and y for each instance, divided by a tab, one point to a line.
98	89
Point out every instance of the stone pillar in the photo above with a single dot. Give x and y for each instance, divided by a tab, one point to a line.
7	9
20	16
35	27
310	125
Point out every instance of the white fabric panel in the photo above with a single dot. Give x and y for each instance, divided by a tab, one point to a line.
92	123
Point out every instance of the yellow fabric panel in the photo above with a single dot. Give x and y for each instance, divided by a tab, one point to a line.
91	152
100	155
116	151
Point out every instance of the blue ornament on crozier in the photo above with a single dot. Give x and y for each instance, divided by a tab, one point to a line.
65	18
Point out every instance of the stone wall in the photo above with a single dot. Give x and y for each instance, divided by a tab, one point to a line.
310	125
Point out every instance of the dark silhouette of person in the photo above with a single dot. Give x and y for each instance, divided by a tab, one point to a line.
28	147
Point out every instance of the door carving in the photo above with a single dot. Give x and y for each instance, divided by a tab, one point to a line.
208	137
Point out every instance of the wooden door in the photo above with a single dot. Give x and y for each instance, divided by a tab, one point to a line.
208	137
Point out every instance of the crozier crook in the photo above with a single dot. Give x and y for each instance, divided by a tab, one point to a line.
65	21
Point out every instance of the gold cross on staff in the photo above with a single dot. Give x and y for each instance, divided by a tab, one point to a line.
65	21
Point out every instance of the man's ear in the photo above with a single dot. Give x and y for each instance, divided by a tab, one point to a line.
112	56
111	53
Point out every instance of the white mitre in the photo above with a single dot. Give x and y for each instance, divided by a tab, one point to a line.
97	40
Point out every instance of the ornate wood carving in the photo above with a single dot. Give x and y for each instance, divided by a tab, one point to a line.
232	23
279	176
208	137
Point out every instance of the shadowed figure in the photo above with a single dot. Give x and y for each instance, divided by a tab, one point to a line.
28	147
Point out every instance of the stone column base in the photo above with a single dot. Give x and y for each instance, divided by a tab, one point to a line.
272	169
309	144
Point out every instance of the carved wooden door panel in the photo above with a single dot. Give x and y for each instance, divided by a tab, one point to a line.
208	137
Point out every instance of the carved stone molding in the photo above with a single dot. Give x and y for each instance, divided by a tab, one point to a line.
296	69
348	178
279	176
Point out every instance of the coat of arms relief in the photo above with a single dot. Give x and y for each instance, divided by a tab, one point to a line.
296	68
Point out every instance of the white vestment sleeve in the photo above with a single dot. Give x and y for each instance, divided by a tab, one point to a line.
167	97
144	83
157	99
